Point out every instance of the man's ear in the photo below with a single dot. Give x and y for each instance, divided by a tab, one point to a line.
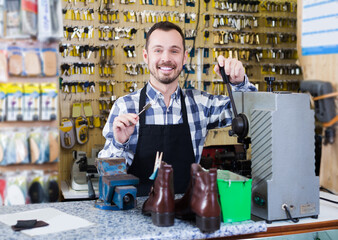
185	57
145	55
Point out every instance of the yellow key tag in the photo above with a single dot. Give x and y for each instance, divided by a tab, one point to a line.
76	110
97	122
88	110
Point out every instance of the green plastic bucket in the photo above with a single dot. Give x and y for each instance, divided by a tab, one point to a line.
235	196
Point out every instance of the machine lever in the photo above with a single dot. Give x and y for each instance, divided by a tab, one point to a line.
240	123
91	191
226	80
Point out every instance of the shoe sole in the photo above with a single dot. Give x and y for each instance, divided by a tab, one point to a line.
206	224
163	219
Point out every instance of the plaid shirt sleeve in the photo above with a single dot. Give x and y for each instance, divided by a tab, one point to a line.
112	148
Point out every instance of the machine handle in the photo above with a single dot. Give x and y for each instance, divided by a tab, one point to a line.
240	123
91	192
226	80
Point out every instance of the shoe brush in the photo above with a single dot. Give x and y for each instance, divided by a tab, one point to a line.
146	107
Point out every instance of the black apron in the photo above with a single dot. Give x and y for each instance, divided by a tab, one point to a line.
175	143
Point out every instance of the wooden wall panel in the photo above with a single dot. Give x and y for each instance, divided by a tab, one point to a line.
325	68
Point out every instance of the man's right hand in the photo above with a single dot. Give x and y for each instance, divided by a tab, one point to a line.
123	126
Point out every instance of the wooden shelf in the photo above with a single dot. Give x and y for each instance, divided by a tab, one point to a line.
290	229
21	167
29	124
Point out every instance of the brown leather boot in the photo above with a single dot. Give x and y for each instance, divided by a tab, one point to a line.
182	205
160	204
204	201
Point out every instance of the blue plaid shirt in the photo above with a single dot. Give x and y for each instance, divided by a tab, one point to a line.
204	112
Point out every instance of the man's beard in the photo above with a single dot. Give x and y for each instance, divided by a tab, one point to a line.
165	79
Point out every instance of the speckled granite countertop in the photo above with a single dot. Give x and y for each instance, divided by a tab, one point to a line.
130	224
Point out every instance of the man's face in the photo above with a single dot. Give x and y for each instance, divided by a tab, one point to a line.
165	56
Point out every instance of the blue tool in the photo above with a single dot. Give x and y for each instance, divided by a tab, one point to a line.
117	189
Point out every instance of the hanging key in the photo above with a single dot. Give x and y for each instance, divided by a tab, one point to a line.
91	12
62	50
70	31
206	35
108	87
77	50
216	21
222	33
86	31
91	49
206	19
81	51
206	5
133	50
65	86
91	87
275	37
86	50
257	39
92	67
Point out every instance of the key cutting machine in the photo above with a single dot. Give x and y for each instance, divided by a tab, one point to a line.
117	189
281	129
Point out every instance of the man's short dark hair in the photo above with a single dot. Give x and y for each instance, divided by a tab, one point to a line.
165	26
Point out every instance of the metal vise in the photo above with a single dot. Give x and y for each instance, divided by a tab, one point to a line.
117	189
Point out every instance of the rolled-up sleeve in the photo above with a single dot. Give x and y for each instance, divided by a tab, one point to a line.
113	148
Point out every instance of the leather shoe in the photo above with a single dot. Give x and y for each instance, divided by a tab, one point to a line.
160	203
204	201
182	205
200	201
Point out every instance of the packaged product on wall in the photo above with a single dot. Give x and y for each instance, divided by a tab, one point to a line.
32	62
49	95
31	97
49	57
43	145
49	19
17	148
36	187
14	102
53	137
2	11
67	133
15	61
2	189
52	187
13	20
38	146
29	12
3	101
4	139
16	189
3	63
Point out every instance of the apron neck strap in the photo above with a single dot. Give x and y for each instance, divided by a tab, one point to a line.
142	103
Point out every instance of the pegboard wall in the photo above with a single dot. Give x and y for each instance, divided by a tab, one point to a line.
101	53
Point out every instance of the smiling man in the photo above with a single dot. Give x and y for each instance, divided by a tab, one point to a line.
177	121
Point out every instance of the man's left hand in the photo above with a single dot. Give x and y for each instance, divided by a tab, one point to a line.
232	67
